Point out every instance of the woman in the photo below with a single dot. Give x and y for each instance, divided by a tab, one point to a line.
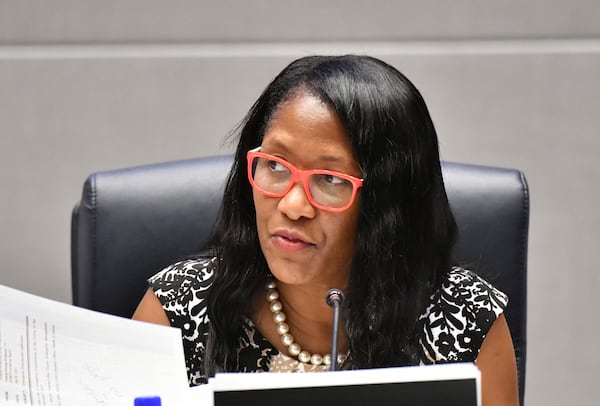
336	183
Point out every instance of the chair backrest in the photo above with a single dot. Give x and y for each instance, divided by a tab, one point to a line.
130	223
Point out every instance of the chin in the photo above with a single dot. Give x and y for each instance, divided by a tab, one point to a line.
289	273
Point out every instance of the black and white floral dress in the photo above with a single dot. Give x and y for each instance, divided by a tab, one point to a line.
453	326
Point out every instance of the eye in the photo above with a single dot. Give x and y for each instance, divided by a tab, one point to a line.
276	166
329	181
333	180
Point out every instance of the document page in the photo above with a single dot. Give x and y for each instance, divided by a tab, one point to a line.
53	353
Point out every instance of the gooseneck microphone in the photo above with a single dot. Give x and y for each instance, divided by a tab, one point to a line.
334	299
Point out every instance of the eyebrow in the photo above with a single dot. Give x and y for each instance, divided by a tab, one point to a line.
324	158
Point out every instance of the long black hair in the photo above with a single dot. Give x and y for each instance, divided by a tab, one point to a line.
406	229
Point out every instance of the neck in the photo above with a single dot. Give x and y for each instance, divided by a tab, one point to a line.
309	317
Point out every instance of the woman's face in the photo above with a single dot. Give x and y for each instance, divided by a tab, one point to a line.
304	245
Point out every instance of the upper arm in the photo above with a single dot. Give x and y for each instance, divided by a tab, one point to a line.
150	309
497	363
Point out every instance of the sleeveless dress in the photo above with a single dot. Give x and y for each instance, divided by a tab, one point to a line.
453	325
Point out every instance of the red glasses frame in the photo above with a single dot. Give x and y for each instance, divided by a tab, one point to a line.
302	176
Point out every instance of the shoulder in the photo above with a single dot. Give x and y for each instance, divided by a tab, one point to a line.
458	317
471	290
182	289
180	279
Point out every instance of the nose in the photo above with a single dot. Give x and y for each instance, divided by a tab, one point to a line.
295	204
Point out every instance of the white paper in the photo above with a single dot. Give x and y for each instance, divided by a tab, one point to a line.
55	354
201	395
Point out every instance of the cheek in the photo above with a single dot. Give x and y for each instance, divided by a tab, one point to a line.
258	206
262	209
344	233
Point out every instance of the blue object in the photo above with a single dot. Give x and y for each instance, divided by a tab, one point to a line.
147	401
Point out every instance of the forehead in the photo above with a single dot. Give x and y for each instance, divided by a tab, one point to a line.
304	126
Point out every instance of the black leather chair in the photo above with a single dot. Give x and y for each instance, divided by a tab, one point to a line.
132	222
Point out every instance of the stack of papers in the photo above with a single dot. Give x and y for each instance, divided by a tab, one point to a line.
52	353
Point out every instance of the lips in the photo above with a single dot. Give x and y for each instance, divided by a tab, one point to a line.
291	240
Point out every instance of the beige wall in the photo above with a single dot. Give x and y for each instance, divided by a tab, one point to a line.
93	85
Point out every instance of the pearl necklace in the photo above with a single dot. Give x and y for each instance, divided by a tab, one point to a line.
283	330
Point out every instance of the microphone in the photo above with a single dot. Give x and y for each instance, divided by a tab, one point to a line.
334	299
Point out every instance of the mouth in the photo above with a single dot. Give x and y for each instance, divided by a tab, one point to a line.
291	241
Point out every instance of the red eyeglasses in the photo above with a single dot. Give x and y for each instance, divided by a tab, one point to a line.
327	190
